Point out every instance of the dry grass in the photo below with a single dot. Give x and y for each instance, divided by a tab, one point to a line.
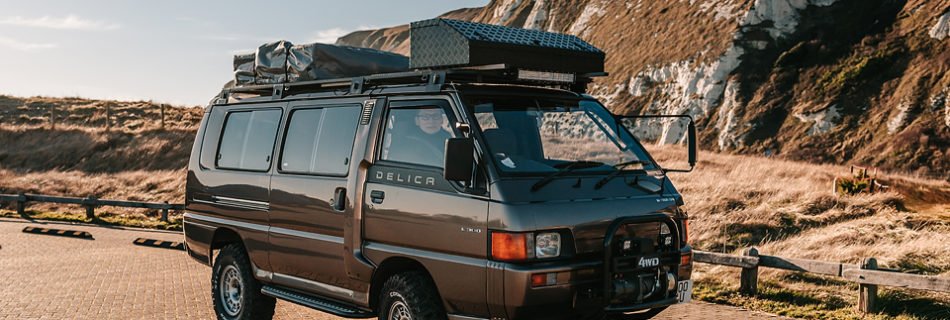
788	209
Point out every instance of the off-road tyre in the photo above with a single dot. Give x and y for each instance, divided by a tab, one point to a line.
233	265
410	294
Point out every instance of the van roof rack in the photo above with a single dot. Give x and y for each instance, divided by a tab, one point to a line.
443	51
434	80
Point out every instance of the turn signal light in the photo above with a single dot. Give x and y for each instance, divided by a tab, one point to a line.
509	246
685	259
685	230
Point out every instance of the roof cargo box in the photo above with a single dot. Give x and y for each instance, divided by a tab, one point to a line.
444	43
281	62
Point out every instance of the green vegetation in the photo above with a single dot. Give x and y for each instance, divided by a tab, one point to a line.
849	73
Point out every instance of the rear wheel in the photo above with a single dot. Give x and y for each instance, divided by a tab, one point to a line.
410	296
234	291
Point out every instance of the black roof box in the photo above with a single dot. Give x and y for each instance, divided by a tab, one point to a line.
445	43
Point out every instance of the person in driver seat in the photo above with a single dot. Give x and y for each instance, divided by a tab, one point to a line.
424	143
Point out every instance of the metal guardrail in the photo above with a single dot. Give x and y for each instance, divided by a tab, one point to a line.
91	203
867	274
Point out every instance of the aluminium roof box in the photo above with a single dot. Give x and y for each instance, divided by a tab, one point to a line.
446	43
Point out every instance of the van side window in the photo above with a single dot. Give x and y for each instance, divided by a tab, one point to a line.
320	141
416	136
247	142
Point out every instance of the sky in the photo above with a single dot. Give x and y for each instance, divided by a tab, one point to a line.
170	51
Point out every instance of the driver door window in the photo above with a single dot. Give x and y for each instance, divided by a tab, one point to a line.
416	135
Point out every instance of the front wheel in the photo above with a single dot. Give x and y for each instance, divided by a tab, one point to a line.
234	291
410	296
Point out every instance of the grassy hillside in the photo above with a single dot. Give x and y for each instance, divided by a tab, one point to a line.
784	208
787	209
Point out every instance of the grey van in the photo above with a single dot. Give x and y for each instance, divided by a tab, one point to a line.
485	189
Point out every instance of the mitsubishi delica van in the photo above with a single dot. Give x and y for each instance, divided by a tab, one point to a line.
476	181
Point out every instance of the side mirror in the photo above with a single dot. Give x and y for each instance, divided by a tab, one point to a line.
459	159
661	134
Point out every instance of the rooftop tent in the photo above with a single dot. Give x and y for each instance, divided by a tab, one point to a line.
436	45
281	61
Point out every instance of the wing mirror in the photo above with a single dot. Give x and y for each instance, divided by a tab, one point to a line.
459	159
656	132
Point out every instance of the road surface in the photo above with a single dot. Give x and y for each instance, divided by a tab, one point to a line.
53	277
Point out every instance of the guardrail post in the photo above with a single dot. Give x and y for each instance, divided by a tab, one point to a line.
165	212
21	204
867	293
90	204
748	281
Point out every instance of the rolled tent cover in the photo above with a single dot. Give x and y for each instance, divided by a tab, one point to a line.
281	61
270	62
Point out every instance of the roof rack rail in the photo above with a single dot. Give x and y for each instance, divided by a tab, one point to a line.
432	79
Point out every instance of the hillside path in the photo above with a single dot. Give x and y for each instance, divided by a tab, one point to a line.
51	277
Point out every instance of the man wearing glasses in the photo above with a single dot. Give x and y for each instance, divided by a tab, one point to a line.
424	143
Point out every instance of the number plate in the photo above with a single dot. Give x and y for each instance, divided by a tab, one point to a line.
684	291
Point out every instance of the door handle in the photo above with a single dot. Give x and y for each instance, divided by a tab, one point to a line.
377	196
339	199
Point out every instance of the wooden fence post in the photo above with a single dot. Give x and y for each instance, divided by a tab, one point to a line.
748	281
108	117
165	212
163	116
90	203
867	293
21	204
52	117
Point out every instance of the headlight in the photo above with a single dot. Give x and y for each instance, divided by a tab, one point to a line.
547	245
524	246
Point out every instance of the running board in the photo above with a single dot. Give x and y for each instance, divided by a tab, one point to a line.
328	306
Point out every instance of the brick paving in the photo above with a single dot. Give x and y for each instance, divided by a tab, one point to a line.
51	277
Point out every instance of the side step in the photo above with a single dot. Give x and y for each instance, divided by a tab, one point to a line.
328	306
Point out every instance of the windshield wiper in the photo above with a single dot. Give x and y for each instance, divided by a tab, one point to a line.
571	166
619	167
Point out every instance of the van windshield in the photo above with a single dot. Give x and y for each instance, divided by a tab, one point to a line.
539	136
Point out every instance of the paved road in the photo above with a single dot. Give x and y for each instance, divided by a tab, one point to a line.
50	277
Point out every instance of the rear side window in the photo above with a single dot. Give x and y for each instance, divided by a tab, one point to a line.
320	141
247	142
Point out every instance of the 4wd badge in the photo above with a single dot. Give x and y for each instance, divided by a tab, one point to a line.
648	262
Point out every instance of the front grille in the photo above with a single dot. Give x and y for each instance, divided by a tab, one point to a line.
639	260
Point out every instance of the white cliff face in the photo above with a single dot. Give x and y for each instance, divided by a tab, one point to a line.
538	17
941	29
899	121
504	11
942	101
822	121
593	10
727	121
697	89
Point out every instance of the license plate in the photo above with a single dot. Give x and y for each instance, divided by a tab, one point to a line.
684	291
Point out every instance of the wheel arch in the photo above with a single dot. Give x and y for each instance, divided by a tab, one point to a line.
222	236
393	266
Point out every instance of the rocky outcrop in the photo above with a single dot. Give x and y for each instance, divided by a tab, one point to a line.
856	81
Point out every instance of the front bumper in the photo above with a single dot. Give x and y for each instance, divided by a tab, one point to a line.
577	293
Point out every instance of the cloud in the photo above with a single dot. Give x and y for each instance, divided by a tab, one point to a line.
69	22
332	34
328	35
24	46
